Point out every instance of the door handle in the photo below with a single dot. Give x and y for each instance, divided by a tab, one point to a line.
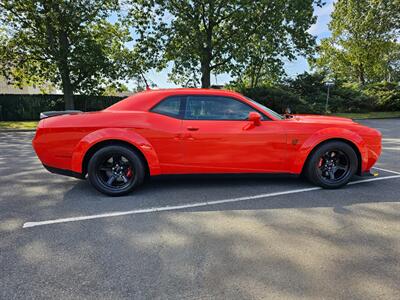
188	136
191	128
178	137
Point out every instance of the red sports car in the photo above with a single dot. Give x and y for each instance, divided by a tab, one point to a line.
193	131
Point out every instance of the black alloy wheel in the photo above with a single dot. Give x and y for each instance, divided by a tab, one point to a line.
115	170
332	164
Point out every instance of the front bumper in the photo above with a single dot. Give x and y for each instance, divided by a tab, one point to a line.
369	174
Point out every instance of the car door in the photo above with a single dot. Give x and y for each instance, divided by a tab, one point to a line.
164	132
218	138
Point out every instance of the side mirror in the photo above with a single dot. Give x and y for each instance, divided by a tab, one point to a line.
288	113
255	118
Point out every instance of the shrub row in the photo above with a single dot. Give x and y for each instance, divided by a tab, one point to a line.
308	95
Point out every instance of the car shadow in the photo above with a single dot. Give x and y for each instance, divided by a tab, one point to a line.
174	190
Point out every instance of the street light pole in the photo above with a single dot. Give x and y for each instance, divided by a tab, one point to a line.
328	84
327	101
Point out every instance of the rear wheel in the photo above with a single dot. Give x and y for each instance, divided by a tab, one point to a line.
115	170
332	165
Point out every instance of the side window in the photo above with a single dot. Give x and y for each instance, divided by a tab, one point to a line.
216	108
171	106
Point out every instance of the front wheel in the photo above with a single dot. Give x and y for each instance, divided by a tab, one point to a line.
332	165
115	170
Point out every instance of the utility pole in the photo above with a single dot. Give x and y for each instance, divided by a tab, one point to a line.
328	84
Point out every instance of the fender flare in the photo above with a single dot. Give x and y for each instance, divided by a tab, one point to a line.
119	134
324	135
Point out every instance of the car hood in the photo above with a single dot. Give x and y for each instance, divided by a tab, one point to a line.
320	119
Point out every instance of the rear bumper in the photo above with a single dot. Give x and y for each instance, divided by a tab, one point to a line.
64	172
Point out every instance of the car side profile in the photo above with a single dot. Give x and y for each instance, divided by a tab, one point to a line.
200	131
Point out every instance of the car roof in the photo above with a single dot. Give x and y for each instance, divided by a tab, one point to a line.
147	99
183	91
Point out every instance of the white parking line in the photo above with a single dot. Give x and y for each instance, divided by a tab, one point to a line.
191	205
386	170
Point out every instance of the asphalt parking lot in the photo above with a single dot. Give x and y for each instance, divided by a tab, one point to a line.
225	237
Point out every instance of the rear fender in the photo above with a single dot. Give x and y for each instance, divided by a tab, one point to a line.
121	134
325	135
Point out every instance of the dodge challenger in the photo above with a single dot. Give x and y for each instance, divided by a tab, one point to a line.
200	131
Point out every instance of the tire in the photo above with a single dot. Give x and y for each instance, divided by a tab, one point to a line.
331	165
116	170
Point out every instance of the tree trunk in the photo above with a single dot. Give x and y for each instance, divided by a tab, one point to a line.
258	71
64	69
252	69
361	77
205	75
59	48
68	92
206	59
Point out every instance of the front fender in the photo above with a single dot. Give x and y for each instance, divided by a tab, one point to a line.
120	134
329	134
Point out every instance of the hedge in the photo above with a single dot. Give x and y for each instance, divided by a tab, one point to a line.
28	107
307	94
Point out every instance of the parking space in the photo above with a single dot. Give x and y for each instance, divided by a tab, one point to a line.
225	237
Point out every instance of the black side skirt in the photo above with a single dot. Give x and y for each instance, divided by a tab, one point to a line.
64	172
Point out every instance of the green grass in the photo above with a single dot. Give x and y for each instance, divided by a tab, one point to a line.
370	115
18	124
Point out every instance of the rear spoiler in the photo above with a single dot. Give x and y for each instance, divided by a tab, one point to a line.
48	114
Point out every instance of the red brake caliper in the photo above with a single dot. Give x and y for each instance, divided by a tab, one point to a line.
320	162
129	173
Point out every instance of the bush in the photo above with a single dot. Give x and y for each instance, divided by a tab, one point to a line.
277	98
351	100
307	94
386	95
342	97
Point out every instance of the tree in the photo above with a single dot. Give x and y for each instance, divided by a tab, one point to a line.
364	43
201	37
67	43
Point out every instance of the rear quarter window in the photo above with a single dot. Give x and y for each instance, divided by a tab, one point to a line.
171	106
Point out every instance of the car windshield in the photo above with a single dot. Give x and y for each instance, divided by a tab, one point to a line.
270	111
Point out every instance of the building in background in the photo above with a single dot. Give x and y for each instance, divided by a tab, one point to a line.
6	88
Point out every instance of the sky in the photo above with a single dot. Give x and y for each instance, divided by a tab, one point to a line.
319	29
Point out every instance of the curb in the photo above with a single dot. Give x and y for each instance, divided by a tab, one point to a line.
377	118
17	130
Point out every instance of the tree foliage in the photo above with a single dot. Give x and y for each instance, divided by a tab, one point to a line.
240	37
68	43
364	45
